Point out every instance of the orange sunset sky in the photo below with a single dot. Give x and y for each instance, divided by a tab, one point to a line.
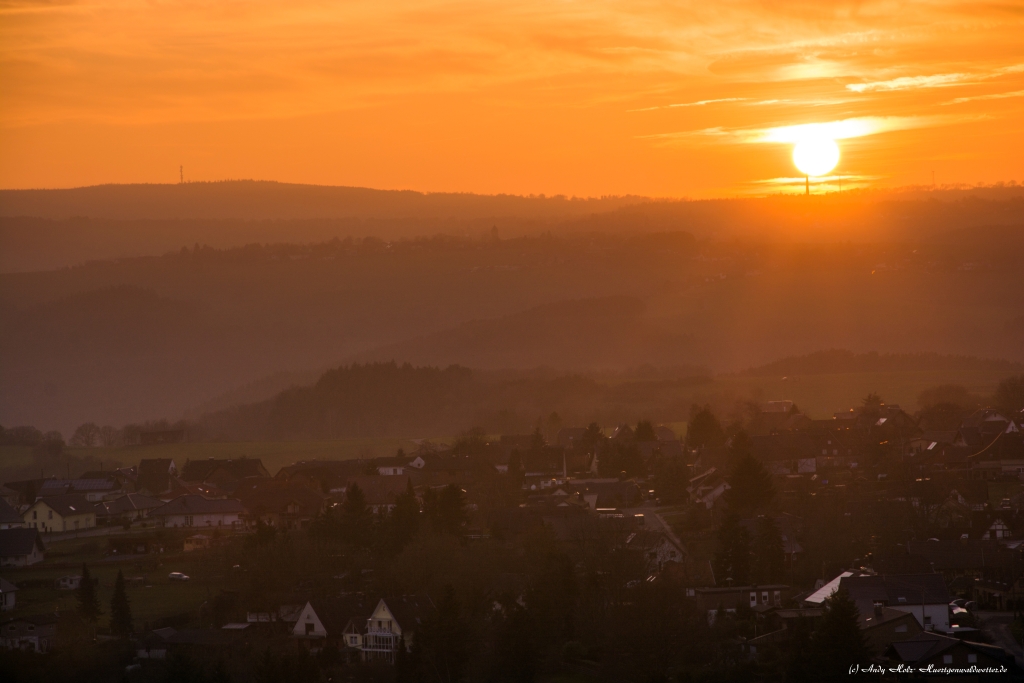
582	98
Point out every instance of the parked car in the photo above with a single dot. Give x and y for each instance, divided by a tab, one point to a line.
177	576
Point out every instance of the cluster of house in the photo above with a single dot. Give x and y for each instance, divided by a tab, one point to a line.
969	482
908	619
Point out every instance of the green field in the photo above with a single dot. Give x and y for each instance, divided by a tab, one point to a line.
156	597
274	454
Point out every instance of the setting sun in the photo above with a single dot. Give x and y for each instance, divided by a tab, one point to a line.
816	155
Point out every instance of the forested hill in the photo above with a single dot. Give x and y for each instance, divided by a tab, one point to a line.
387	399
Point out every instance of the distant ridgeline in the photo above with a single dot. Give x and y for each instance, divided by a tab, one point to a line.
837	361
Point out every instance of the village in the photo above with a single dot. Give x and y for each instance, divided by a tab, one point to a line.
520	557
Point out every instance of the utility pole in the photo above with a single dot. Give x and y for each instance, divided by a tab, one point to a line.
181	174
808	191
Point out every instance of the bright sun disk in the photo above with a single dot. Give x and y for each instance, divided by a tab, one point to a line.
816	155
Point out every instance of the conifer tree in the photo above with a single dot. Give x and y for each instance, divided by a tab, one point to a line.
88	603
838	641
732	560
769	551
120	609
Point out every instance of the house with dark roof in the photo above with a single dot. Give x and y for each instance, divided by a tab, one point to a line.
94	489
69	512
281	504
381	493
9	517
7	591
923	595
130	507
938	651
199	511
225	474
20	547
1003	455
156	475
34	633
883	626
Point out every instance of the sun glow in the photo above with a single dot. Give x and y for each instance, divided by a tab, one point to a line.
816	155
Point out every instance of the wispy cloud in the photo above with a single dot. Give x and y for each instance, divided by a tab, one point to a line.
835	130
995	96
933	81
701	103
911	83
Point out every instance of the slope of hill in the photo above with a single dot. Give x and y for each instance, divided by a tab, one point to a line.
143	338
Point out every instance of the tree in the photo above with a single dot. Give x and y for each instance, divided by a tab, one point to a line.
750	486
446	510
732	560
591	438
404	520
769	551
740	446
88	603
872	404
704	430
1009	395
644	431
356	520
442	645
838	641
86	436
120	609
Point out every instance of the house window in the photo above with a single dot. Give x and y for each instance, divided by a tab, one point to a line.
778	598
902	628
50	513
753	599
972	659
947	659
35	514
927	621
309	629
764	598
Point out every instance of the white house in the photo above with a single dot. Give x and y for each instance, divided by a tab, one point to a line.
70	512
193	510
923	595
20	547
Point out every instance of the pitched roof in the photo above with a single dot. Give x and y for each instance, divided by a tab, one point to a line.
155	474
192	504
272	495
9	515
68	505
6	586
237	468
896	589
928	644
131	502
18	542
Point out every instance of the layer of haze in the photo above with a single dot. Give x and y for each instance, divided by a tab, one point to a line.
579	98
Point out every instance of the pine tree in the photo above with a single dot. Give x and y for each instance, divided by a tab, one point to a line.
88	603
120	609
769	552
732	561
750	486
838	641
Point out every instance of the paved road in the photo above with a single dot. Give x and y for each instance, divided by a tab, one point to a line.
998	624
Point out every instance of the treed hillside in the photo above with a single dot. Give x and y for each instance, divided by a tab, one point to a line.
136	339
